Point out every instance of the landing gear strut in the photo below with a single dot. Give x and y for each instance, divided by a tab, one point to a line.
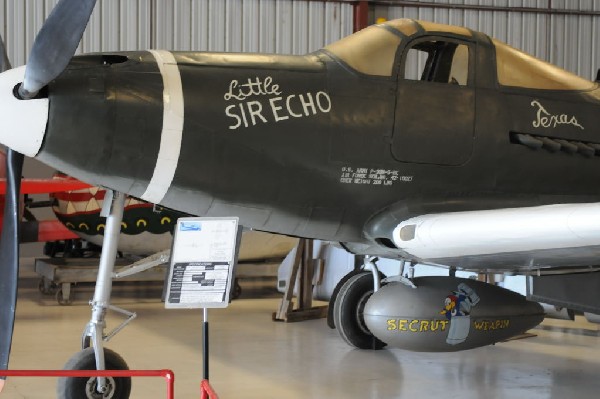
96	356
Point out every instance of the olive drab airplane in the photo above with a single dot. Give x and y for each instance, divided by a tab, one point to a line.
423	142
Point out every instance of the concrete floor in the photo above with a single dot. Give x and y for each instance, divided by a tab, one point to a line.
253	357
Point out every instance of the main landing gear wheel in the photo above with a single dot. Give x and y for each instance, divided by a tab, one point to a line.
85	388
334	295
348	312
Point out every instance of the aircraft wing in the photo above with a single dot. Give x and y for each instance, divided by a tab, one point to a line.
43	186
45	231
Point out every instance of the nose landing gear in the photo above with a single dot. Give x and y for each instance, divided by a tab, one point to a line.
87	388
96	357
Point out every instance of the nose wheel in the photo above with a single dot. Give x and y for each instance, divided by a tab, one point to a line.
87	388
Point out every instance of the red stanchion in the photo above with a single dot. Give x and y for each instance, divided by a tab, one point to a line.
168	375
206	391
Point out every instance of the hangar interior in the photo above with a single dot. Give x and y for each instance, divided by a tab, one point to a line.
252	356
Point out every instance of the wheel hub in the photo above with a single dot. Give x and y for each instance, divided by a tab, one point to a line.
92	393
360	312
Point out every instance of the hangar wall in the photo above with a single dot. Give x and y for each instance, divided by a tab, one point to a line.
274	26
563	32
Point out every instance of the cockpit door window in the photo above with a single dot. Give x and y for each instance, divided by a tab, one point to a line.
435	107
438	61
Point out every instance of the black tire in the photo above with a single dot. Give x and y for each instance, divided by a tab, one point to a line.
348	312
84	388
334	295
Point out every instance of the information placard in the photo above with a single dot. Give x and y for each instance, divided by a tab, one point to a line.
203	260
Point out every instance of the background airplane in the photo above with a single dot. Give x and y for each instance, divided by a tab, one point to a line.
33	230
448	167
147	228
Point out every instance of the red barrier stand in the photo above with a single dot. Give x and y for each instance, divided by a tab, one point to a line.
166	374
206	391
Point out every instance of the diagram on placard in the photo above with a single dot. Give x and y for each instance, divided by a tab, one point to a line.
202	262
199	282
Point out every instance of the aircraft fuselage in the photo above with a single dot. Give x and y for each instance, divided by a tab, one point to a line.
306	146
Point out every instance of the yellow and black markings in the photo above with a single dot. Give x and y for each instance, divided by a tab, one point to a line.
422	325
136	220
487	325
416	325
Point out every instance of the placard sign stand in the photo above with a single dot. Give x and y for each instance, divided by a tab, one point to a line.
201	273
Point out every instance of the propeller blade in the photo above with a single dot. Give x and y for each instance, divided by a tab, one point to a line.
9	255
8	278
55	44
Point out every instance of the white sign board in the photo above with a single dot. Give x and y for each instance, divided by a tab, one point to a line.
203	259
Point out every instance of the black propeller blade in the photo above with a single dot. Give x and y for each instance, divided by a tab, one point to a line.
55	44
9	243
52	50
9	254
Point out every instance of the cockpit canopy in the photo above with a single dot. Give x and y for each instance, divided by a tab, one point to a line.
373	51
519	69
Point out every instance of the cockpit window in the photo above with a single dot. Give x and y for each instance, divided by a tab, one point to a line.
370	51
438	61
518	69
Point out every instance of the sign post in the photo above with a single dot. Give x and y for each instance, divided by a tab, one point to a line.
201	272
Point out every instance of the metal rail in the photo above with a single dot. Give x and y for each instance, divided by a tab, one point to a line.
467	7
481	7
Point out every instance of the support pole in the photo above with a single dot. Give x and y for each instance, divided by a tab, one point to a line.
306	277
303	269
205	348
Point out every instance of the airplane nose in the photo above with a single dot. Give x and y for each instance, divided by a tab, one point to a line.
22	122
